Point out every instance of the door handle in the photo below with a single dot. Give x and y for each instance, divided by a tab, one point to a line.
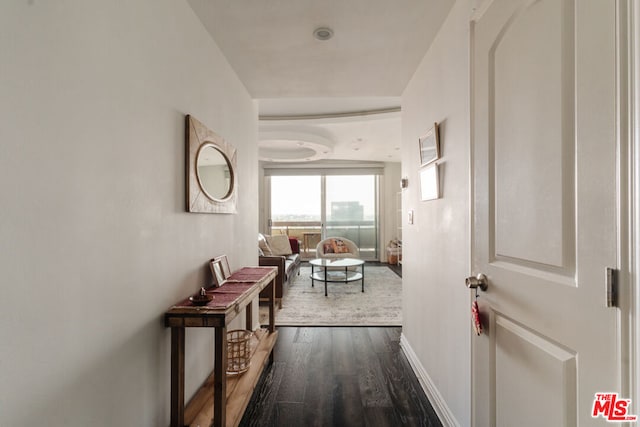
479	281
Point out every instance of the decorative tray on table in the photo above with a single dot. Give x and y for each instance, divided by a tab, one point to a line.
201	298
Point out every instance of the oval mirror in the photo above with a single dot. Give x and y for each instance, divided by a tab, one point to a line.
214	172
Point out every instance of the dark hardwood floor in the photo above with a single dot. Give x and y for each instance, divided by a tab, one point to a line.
339	376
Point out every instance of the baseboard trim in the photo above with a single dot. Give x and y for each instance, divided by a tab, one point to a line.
439	405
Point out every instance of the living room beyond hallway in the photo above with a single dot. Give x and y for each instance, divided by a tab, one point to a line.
345	304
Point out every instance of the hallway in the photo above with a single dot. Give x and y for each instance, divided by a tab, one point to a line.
342	376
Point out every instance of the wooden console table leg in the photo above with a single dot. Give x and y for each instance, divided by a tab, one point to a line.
272	306
249	317
177	377
220	378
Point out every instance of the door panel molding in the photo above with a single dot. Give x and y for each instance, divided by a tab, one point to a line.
542	272
532	139
545	370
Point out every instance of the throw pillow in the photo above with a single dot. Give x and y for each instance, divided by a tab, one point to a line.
340	247
327	247
279	244
263	245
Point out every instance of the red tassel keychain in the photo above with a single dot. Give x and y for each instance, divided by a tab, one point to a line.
475	316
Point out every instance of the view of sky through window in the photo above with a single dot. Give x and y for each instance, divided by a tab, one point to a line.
350	198
298	198
295	198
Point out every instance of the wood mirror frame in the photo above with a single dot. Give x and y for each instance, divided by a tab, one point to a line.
198	138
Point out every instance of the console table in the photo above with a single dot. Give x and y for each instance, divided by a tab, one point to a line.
237	293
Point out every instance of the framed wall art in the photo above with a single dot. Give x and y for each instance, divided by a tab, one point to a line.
225	265
429	182
429	146
211	170
219	267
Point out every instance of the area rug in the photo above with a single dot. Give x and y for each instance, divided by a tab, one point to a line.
345	305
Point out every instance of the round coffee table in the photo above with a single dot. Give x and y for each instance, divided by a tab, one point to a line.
336	270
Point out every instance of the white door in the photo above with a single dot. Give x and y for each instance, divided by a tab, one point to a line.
544	200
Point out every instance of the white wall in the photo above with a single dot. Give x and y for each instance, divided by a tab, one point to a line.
436	307
388	205
95	242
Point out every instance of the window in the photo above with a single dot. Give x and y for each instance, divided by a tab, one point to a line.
312	207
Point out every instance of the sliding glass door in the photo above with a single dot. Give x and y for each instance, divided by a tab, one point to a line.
313	207
351	211
296	210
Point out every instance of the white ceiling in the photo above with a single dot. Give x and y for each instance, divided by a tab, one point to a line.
376	48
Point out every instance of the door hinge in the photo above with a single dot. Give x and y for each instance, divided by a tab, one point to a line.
612	287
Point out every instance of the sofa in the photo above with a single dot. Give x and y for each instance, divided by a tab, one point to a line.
282	252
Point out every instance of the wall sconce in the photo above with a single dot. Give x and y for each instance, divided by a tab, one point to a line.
404	182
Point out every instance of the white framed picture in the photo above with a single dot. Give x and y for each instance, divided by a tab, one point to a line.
429	182
219	270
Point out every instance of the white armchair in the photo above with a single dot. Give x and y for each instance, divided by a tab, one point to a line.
337	247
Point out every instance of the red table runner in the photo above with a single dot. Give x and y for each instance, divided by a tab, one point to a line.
227	294
249	274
